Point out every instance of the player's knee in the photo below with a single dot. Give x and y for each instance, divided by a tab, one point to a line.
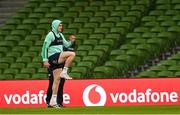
73	54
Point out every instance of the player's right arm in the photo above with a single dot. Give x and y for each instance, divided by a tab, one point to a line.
44	52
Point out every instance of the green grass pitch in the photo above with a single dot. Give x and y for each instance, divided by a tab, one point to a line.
170	109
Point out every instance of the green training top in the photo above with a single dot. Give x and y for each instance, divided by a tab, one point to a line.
48	50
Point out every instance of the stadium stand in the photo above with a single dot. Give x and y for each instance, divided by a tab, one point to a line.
115	38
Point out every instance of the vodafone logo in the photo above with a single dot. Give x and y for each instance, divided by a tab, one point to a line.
94	95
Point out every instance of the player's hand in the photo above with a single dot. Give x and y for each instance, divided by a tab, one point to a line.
46	64
72	37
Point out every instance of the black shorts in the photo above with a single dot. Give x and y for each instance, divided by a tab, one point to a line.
53	61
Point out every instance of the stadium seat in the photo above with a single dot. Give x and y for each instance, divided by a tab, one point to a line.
165	74
147	74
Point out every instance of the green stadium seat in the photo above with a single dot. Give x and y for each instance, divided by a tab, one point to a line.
24	59
141	29
96	19
104	48
9	44
27	27
96	3
93	59
36	15
115	53
25	10
158	68
147	74
76	75
86	31
177	74
26	43
47	5
91	42
12	71
28	71
13	21
31	5
81	20
164	18
101	30
91	9
117	30
87	64
120	67
17	65
42	70
174	68
136	14
22	76
19	15
168	62
168	23
152	24
84	48
175	2
37	59
58	9
6	76
7	60
30	54
108	42
75	9
39	32
140	8
79	69
75	25
19	48
21	33
172	12
106	8
127	47
81	53
113	19
165	74
4	65
149	35
124	8
129	19
91	25
138	41
32	37
97	36
156	13
3	50
163	1
32	21
13	54
129	3
104	72
4	32
174	29
86	15
98	53
39	76
41	10
177	7
158	29
8	27
71	14
34	65
117	14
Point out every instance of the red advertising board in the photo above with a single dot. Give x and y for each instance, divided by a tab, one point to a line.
96	92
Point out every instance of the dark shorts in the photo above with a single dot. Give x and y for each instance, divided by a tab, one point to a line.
53	61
